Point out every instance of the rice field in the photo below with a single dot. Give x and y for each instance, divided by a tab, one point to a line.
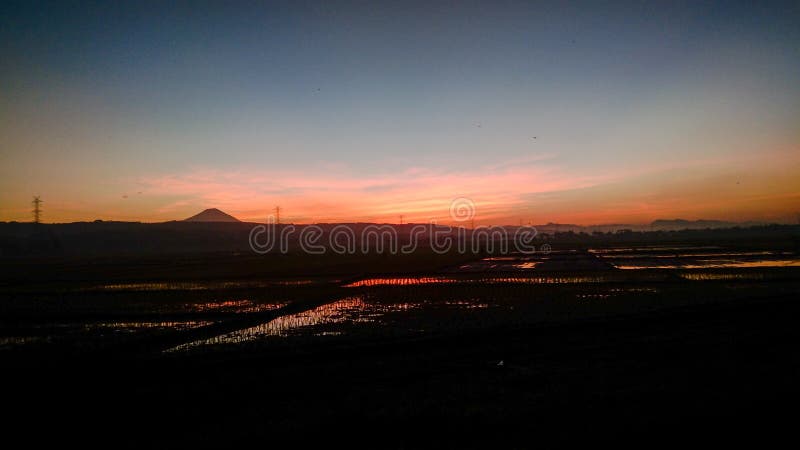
177	318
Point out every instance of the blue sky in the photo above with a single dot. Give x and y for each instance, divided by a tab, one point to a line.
358	110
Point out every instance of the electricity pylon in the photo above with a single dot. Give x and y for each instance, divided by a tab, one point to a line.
37	208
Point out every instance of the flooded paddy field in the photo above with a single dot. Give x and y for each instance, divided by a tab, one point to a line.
694	258
515	290
569	344
405	311
69	320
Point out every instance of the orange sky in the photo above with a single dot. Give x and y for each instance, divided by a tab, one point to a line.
537	112
761	186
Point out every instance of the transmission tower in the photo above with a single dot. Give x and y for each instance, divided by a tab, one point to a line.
278	215
37	208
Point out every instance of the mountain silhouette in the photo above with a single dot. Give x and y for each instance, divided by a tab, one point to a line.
212	215
682	224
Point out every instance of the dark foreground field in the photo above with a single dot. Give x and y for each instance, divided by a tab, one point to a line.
648	358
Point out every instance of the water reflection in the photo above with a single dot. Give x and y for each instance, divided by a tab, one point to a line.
765	263
464	304
697	255
711	276
403	281
83	333
130	325
235	306
655	248
501	264
15	341
695	258
614	292
498	279
351	310
201	286
709	264
133	326
592	296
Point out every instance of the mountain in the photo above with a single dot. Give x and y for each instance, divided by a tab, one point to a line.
682	224
212	215
110	238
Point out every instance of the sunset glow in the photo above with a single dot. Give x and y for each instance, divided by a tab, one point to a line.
538	114
399	224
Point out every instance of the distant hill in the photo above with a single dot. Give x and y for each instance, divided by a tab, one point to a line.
212	215
681	224
109	238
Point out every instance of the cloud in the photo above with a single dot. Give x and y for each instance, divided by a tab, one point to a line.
537	187
329	193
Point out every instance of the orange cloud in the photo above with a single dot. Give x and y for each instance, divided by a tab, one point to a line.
535	188
420	194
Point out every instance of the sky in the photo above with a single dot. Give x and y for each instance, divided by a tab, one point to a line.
536	112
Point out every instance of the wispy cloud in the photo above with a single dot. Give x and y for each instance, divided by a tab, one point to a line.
338	193
504	192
